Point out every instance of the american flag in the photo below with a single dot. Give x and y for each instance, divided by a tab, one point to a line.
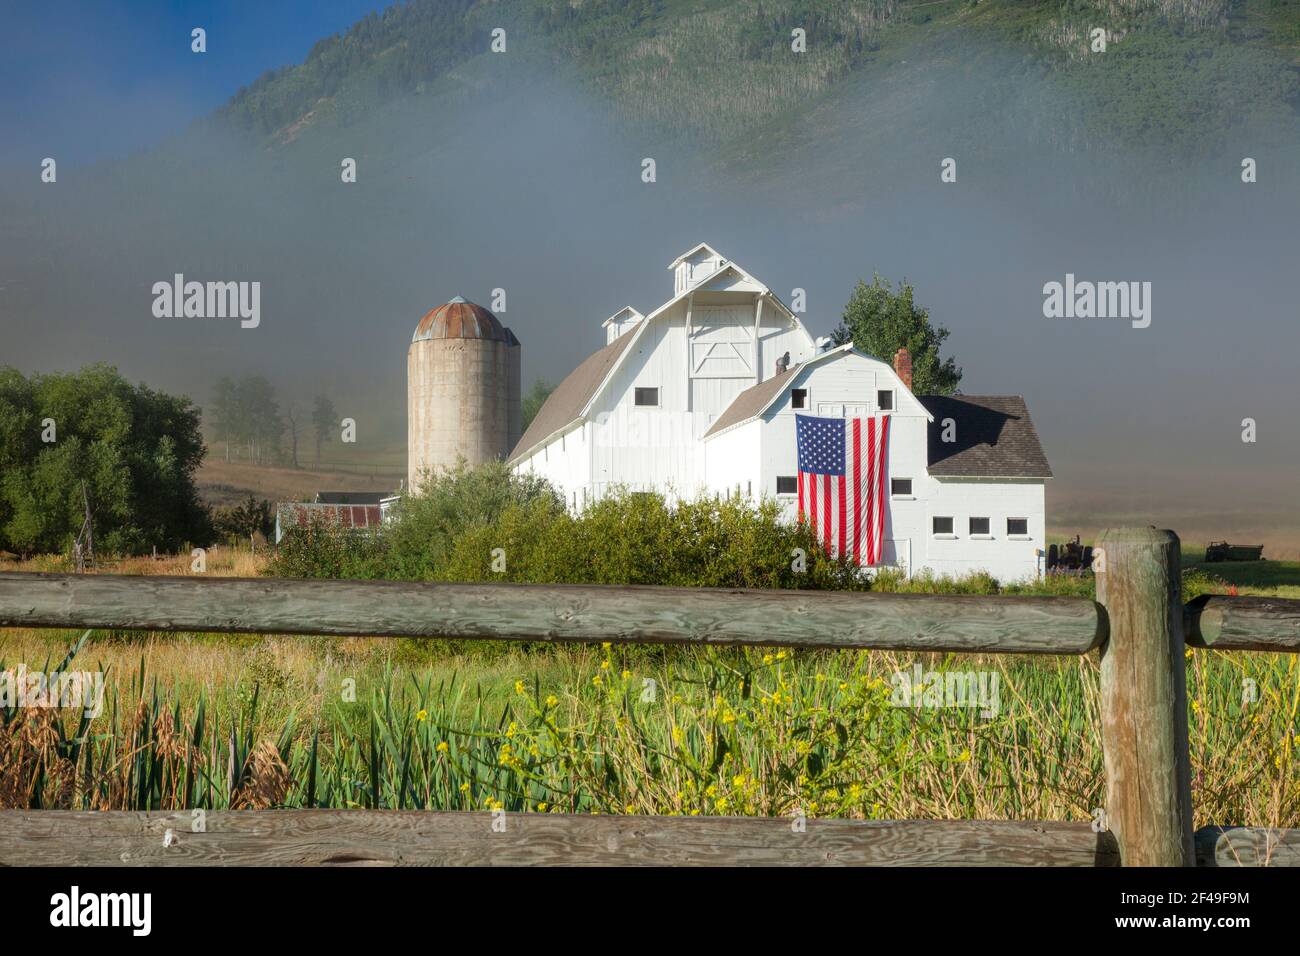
842	482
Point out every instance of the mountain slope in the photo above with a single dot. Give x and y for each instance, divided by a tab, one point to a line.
1177	74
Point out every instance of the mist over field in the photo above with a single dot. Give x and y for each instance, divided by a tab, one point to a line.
515	173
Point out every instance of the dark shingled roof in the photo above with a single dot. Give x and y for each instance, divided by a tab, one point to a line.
995	438
571	396
751	401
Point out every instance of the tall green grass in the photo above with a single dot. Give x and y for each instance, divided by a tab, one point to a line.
681	731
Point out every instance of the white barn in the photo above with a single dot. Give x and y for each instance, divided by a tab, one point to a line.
699	396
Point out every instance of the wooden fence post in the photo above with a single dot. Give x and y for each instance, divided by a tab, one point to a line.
1144	697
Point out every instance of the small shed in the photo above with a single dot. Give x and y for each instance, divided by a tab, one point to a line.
356	510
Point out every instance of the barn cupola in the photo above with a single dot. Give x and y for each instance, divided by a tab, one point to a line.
693	267
624	320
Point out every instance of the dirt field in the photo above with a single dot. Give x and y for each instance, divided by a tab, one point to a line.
1266	516
223	483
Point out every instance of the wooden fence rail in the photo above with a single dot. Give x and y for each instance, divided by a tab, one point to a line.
829	619
1138	622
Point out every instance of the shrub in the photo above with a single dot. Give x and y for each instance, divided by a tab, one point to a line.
451	530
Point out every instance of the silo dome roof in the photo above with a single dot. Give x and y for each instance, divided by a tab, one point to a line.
461	319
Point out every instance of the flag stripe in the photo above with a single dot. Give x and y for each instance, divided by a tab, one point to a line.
826	511
842	496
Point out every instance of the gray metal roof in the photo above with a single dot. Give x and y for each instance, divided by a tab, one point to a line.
564	405
751	401
994	438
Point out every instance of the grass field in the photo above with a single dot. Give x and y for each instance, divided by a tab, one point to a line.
449	725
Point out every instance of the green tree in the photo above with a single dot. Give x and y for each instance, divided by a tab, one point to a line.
535	399
225	412
324	419
266	424
879	320
246	519
135	449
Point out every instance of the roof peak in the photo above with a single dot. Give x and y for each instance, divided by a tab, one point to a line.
694	249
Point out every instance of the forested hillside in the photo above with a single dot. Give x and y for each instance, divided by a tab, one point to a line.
714	71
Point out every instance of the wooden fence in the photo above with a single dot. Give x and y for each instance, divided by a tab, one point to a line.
1138	622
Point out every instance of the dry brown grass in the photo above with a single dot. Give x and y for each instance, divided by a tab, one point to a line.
223	483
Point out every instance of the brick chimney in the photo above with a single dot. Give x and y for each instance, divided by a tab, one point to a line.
903	366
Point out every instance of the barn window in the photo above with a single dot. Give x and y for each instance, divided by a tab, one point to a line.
1018	527
979	526
941	525
798	398
646	396
787	484
900	486
885	399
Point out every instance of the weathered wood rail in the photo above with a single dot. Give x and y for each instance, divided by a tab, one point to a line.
827	619
1139	623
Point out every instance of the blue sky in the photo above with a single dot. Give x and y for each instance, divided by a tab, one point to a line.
89	79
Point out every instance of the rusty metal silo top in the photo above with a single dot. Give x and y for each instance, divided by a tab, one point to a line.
461	319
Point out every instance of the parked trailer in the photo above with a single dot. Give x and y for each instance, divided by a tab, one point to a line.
1222	551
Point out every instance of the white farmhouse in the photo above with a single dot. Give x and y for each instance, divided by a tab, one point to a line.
700	396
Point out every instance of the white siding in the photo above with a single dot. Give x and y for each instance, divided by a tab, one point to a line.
565	463
1006	558
733	462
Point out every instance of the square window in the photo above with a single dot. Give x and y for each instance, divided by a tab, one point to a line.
1018	526
885	399
900	486
646	396
798	398
942	525
979	525
787	484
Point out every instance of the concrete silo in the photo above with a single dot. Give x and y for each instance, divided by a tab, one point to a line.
462	389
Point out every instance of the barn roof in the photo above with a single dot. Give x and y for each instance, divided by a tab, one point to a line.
995	438
588	378
564	405
752	401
